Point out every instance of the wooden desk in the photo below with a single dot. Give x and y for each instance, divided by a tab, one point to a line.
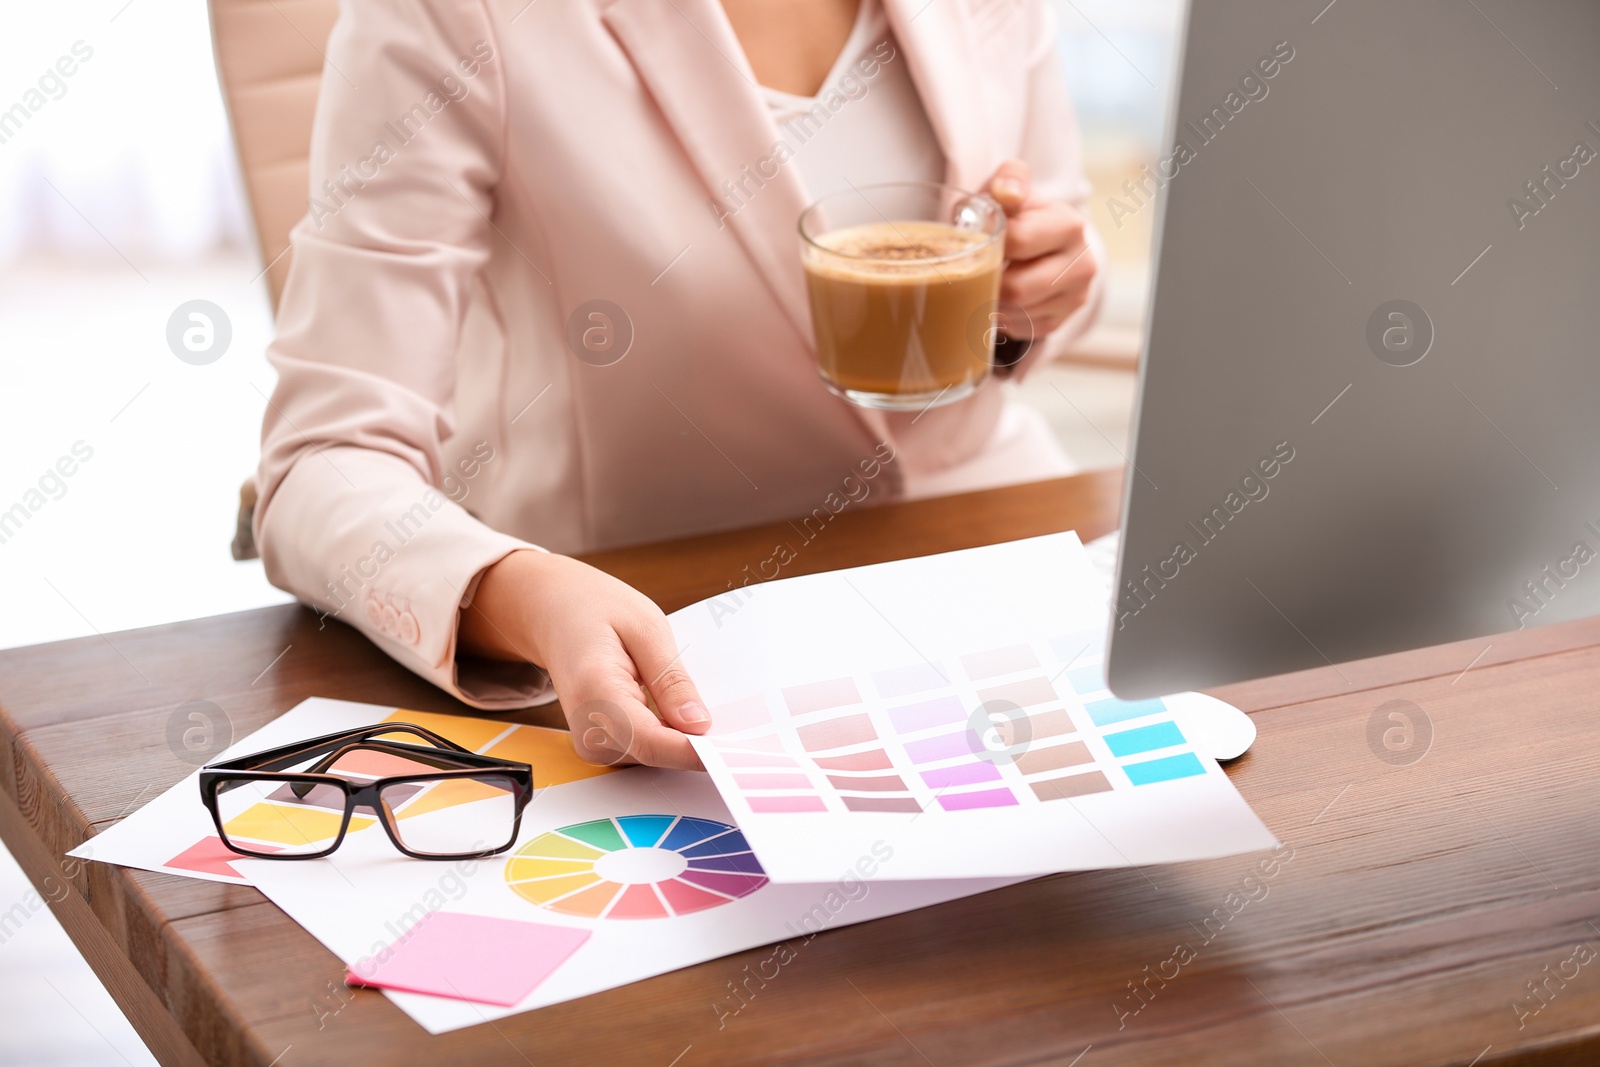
1418	902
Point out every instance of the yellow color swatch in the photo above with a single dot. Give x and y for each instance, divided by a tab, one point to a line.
448	794
521	868
469	733
548	889
549	753
557	847
293	827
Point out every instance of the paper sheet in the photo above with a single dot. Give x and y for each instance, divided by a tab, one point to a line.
955	705
971	679
618	874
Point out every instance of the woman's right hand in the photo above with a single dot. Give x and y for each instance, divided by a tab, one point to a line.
608	649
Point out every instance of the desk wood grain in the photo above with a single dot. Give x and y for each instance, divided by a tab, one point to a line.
1427	908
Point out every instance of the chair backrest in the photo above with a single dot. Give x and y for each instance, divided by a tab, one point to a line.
269	61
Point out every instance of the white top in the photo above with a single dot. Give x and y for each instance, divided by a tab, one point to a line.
866	124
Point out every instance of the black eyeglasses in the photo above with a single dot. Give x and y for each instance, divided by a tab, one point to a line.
436	801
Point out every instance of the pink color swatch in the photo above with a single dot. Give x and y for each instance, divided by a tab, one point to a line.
961	774
737	715
875	759
470	957
210	856
818	696
904	681
637	902
761	743
758	759
837	733
686	898
772	781
786	804
984	798
940	712
982	665
1020	694
875	783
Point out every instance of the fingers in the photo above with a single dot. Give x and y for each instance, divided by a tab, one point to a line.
1010	185
1042	229
654	650
627	732
610	723
1050	288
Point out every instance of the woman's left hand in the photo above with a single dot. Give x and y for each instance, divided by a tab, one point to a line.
1049	265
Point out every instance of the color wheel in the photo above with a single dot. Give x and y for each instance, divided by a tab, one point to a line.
635	867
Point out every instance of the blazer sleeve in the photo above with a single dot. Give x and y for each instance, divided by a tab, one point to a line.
1054	154
405	157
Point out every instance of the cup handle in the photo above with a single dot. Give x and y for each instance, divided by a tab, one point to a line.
1009	351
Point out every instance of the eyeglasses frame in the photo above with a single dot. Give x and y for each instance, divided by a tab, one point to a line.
458	763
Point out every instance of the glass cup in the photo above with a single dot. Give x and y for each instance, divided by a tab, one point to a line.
904	282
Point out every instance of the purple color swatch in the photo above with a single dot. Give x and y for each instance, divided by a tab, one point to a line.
929	713
904	681
961	774
945	746
984	798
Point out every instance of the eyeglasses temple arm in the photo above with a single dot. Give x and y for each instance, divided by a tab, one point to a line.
276	759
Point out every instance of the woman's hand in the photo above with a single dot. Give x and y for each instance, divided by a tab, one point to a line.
1049	268
607	647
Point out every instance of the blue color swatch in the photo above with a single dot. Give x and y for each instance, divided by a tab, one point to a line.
1108	712
1183	765
1144	739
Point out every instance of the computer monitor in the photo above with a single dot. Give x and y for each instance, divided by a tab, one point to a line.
1369	405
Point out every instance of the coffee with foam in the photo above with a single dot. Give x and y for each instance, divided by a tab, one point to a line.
892	303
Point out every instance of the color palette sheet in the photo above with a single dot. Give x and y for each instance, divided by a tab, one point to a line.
955	705
174	834
617	875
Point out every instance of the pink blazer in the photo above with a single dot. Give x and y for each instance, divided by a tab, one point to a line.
482	171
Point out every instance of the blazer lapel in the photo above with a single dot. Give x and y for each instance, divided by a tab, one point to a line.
687	56
935	40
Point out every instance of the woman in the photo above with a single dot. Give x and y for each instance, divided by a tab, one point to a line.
548	299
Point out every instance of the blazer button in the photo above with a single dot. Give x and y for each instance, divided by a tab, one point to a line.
391	621
374	612
409	632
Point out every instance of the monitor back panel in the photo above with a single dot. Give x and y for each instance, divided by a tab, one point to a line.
1367	408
